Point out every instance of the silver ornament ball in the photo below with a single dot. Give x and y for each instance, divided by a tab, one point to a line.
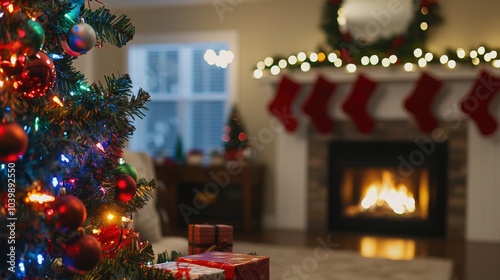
81	38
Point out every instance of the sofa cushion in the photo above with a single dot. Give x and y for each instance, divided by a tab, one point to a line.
171	243
146	221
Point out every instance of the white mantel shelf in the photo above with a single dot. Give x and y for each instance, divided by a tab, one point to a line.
394	85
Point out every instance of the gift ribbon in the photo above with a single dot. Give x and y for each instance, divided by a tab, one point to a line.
183	271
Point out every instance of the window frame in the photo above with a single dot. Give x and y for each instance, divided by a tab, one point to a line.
229	37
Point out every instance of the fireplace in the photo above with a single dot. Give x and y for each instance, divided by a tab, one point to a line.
388	187
299	193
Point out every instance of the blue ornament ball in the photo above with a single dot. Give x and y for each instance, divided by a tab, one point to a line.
81	38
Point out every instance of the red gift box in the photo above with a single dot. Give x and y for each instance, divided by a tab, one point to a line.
235	266
202	237
191	271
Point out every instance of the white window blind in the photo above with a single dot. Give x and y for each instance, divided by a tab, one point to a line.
190	98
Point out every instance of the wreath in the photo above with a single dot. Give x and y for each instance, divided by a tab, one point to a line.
425	12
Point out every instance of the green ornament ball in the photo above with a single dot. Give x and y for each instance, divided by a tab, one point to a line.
34	39
128	169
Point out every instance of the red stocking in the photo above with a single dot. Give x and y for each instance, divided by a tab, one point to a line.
316	105
281	105
356	104
476	103
419	103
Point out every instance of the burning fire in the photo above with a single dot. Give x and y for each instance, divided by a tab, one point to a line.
399	199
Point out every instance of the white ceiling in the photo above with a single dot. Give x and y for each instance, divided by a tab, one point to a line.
139	3
149	3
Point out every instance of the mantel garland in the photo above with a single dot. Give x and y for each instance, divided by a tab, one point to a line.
407	51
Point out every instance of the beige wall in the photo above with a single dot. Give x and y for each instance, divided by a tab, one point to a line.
275	27
467	24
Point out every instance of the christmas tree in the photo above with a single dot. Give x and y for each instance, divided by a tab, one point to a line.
235	137
64	201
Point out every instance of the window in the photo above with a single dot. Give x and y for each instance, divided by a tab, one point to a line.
190	98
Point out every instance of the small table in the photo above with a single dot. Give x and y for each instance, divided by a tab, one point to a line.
231	189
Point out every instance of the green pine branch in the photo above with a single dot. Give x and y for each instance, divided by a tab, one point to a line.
69	80
52	16
165	257
128	263
110	28
103	115
99	207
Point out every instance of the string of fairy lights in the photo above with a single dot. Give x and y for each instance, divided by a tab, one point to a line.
306	61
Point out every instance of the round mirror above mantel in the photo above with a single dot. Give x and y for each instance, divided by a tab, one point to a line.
370	21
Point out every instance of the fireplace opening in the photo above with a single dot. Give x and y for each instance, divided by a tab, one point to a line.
388	187
378	192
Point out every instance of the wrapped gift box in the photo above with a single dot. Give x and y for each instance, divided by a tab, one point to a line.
236	266
191	271
202	237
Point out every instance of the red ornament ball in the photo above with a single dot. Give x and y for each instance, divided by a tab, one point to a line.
13	142
39	74
82	254
125	187
69	213
242	136
81	38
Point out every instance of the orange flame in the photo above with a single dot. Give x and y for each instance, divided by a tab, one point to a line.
399	199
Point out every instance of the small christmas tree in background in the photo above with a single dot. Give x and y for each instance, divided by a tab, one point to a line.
64	199
235	137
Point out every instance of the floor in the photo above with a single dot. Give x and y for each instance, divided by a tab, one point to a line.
472	261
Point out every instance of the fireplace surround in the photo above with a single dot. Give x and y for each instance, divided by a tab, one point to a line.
449	212
299	193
